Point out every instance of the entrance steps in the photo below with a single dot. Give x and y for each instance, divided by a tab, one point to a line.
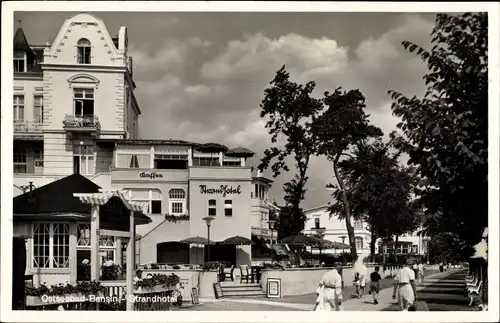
235	289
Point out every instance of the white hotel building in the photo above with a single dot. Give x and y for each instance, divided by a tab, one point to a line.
335	230
75	111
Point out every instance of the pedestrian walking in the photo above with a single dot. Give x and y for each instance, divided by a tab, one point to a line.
330	291
360	283
406	287
375	284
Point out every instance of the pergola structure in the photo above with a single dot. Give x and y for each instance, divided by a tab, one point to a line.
112	215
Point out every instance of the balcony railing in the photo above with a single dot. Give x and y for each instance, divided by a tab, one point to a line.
81	123
22	127
261	231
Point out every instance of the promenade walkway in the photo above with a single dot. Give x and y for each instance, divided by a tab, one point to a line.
442	291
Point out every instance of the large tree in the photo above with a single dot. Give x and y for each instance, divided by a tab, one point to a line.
342	125
289	108
379	191
445	133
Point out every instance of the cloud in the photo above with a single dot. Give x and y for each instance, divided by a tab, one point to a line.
193	90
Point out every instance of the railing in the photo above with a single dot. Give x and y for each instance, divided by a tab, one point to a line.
79	122
27	126
261	231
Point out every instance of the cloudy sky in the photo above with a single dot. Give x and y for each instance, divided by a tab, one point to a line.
201	76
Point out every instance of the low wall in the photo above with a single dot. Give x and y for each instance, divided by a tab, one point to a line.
300	281
189	278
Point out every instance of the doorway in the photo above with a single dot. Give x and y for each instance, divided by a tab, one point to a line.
222	253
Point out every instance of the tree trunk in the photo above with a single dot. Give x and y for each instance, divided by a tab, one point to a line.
350	229
372	246
396	249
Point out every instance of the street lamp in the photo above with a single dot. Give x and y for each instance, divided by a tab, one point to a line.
343	254
320	233
271	227
208	220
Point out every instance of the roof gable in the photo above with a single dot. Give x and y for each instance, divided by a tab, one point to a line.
56	197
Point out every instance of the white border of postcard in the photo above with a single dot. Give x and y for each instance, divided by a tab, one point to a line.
8	7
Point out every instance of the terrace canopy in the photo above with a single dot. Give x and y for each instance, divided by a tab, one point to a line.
111	211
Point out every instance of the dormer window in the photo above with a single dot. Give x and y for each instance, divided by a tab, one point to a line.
19	62
83	47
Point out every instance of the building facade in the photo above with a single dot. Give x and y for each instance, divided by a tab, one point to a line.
335	230
75	112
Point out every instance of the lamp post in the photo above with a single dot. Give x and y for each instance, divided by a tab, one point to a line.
208	220
343	255
271	227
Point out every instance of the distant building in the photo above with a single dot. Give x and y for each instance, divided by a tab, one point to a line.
336	230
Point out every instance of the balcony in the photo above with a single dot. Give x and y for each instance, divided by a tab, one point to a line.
24	129
81	124
264	232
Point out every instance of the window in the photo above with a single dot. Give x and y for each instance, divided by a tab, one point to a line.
228	208
38	108
316	223
83	48
50	245
152	199
405	248
212	207
359	243
107	248
206	161
83	159
133	160
18	108
177	201
83	102
358	225
231	163
20	163
19	62
167	161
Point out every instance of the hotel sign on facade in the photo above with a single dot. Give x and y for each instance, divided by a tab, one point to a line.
223	189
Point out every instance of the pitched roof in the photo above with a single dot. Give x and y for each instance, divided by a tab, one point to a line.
20	41
57	198
240	151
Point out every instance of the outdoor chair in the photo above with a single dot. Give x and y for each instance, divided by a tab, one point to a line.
474	293
473	286
473	283
244	274
228	273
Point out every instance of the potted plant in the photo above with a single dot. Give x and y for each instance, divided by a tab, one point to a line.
60	293
156	283
110	270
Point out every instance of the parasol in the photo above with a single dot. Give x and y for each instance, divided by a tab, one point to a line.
197	240
237	240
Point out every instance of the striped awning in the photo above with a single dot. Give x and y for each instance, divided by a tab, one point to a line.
104	196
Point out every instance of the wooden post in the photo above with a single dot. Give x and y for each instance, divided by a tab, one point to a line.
95	261
130	264
73	265
118	252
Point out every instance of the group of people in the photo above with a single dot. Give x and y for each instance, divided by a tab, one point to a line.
405	281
